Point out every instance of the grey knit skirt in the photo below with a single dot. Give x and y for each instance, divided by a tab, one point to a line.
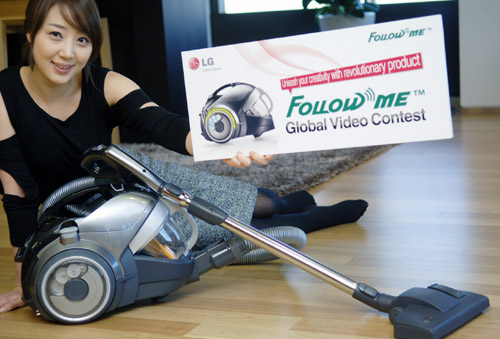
234	197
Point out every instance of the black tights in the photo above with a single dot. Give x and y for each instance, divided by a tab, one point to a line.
299	209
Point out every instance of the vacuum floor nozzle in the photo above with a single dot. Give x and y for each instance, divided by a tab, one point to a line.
434	312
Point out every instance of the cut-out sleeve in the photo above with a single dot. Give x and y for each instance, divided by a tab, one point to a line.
21	212
162	126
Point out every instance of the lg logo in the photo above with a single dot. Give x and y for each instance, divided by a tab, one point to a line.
194	63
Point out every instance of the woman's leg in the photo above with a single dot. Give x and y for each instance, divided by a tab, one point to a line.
269	203
234	197
300	210
262	208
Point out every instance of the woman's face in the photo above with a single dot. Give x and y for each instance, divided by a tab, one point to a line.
59	50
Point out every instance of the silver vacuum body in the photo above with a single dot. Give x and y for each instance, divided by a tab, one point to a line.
103	245
109	240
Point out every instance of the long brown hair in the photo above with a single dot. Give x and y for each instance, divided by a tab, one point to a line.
83	15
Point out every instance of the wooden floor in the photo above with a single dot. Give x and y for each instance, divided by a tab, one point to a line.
434	216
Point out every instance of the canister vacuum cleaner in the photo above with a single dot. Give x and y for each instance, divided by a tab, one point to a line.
109	240
236	110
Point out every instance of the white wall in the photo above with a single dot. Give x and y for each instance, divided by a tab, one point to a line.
479	30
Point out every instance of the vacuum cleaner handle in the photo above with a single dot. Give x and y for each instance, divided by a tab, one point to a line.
110	161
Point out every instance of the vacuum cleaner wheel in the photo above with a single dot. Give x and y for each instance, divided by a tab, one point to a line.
220	125
75	286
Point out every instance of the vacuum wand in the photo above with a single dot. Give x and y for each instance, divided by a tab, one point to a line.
216	216
290	254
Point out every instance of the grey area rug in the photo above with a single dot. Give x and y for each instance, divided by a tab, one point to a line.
285	174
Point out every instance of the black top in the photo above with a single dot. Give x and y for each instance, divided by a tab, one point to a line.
52	148
45	152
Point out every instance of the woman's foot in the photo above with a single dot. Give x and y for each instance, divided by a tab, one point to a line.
296	202
317	217
269	203
344	212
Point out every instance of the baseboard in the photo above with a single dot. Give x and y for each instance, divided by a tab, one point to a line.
455	104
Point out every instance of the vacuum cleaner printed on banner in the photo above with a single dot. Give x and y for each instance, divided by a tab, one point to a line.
236	110
370	85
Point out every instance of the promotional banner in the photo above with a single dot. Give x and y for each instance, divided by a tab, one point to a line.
370	85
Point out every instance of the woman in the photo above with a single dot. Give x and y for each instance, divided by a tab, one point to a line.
61	104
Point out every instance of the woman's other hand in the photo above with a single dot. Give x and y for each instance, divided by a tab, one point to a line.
241	161
11	300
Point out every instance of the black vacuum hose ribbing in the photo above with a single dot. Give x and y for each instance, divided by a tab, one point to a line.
67	189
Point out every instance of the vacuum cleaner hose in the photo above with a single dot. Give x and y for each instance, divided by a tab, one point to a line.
289	235
67	189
